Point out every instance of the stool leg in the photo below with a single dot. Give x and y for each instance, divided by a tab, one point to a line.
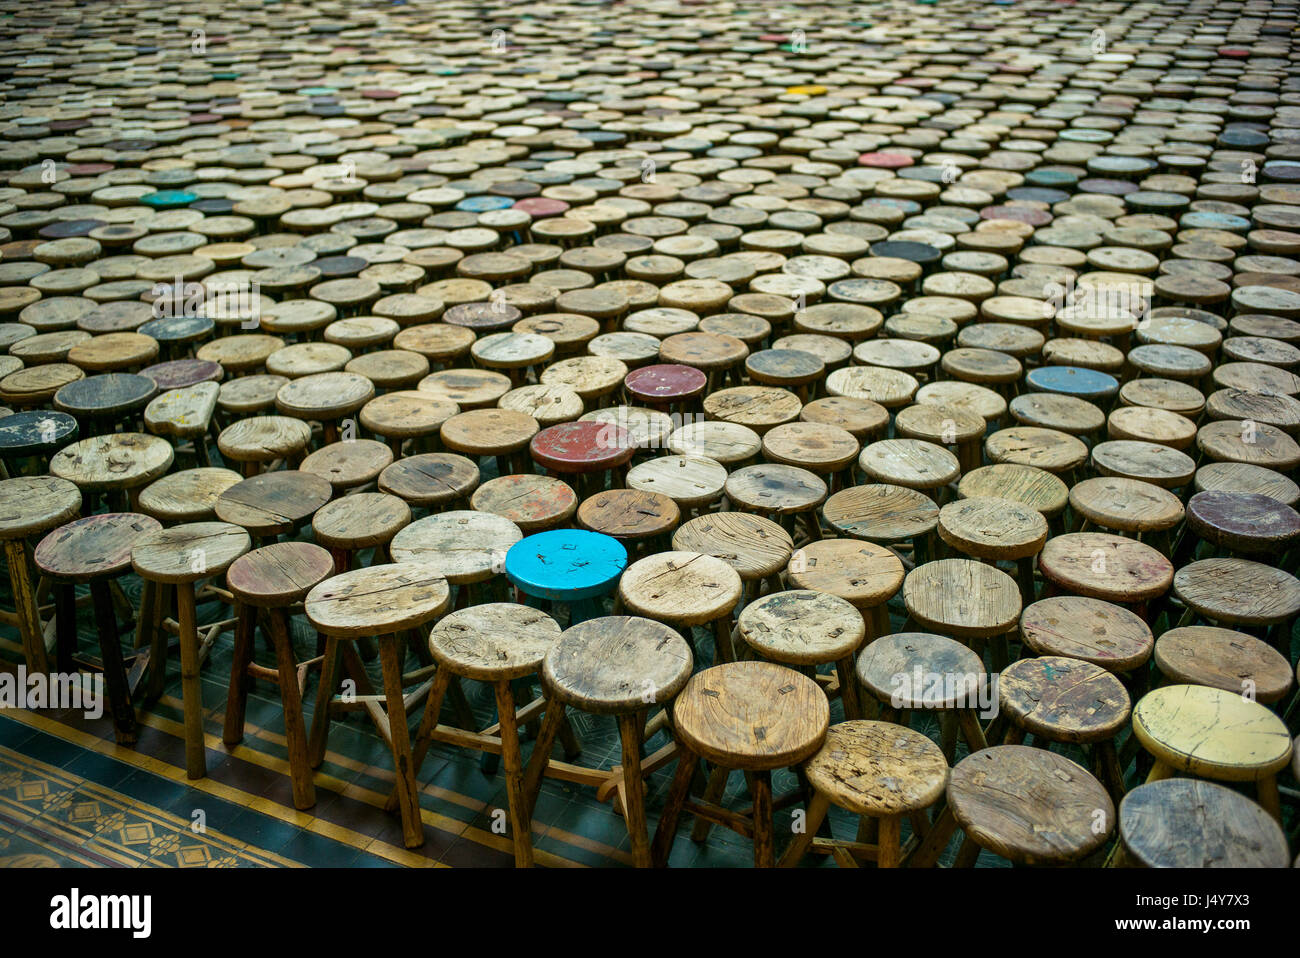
971	731
295	732
110	647
320	716
29	618
817	809
1269	797
712	793
541	756
848	688
1112	776
237	695
513	760
629	730
889	842
407	798
687	764
65	625
191	689
764	839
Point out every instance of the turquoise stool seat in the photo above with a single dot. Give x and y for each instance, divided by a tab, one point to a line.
566	565
1086	384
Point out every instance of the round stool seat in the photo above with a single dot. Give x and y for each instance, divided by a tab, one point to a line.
752	545
1046	449
684	588
249	394
307	359
93	548
389	368
512	350
1227	477
566	564
790	368
775	489
1091	630
190	552
881	513
862	573
431	479
35	433
548	405
1146	461
704	351
113	351
1188	823
801	627
728	443
274	503
629	514
582	447
911	463
983	366
467	388
1211	733
359	521
962	598
647	428
1238	591
111	395
1243	522
186	496
860	417
903	668
37	384
616	664
1029	805
1274	409
264	439
589	376
1057	412
350	463
463	546
818	447
1224	659
992	528
406	414
1151	425
1126	505
436	342
1251	377
240	353
322	396
494	642
890	388
1028	485
758	407
179	373
377	600
689	481
1170	362
906	354
1256	443
1168	394
946	425
1105	566
1064	700
32	504
533	503
752	715
968	396
878	769
488	432
1087	384
665	383
119	460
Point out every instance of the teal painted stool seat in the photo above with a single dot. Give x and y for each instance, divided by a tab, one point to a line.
1088	384
567	565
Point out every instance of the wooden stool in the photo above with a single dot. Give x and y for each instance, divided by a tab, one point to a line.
406	414
1224	659
791	369
665	386
300	360
364	520
185	414
96	550
325	398
948	426
348	464
862	573
30	506
27	439
116	465
757	548
500	433
1233	477
594	378
1046	449
864	419
751	716
462	546
823	449
1187	823
1067	700
910	463
1145	461
248	395
1243	523
718	356
1067	414
1090	630
533	503
908	671
240	354
1263	445
382	601
594	453
549	405
1105	566
467	388
99	403
1239	592
265	583
760	408
1028	805
620	666
996	530
728	443
499	643
274	504
567	565
1131	506
1151	425
805	629
171	561
879	771
683	590
633	517
1212	733
260	441
965	599
186	496
693	482
513	353
885	514
430	480
779	490
390	368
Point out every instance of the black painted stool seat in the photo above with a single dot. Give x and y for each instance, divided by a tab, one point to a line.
110	394
35	432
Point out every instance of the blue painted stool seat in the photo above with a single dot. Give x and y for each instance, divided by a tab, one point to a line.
566	565
1072	381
